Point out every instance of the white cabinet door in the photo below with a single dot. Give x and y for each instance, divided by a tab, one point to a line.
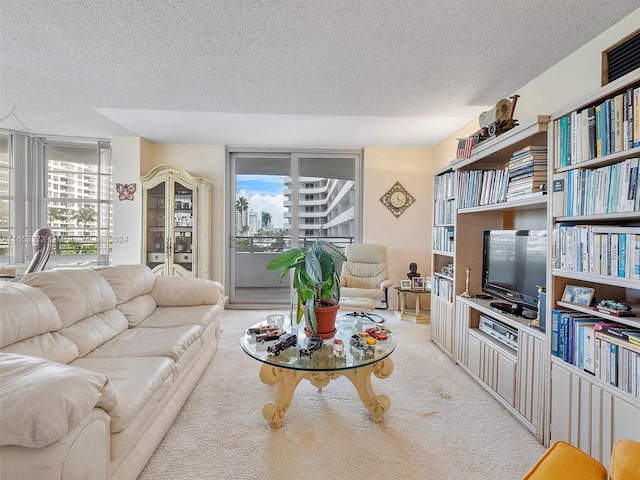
589	415
442	324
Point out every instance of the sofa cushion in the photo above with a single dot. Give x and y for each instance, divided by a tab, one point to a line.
52	346
136	379
207	316
163	317
91	332
173	291
77	293
41	400
146	342
128	281
137	309
26	312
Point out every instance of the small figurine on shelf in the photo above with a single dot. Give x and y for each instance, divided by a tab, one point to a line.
413	271
615	308
157	243
466	292
182	244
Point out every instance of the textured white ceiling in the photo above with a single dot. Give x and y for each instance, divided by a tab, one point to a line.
279	72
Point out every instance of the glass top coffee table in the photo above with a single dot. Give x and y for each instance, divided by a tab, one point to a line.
288	368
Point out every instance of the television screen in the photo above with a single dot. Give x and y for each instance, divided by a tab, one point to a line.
514	265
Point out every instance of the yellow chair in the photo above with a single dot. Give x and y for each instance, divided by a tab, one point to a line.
563	461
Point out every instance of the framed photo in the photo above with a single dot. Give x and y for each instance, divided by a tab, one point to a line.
405	284
578	295
418	284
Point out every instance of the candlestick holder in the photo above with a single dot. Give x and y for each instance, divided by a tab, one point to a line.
536	322
466	293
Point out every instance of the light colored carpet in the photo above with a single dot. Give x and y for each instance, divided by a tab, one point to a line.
441	424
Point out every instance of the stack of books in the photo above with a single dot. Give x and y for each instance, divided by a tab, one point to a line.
527	171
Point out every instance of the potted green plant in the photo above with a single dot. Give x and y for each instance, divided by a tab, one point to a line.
315	280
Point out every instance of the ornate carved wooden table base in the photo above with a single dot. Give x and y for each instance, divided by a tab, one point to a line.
288	379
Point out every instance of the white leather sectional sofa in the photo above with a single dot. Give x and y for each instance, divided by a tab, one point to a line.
94	366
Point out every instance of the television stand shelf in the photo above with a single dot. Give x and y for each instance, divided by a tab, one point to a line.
513	376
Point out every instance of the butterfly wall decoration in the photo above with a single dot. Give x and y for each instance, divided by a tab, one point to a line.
125	191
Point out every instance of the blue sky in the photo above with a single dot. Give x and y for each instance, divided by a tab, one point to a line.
265	194
263	184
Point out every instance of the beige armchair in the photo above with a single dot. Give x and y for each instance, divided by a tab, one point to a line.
365	279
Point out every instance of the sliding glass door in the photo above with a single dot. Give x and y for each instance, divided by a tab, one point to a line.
281	199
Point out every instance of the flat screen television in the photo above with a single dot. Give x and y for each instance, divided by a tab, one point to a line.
514	263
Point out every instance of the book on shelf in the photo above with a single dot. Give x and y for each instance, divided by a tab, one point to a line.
591	132
636	117
558	200
588	339
530	149
615	313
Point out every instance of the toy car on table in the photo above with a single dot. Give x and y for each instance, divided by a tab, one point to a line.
261	329
286	341
315	342
338	348
361	344
269	335
377	333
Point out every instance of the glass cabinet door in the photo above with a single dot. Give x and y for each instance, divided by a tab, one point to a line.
156	227
182	228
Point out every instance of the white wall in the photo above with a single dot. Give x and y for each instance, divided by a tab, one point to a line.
408	237
568	80
129	154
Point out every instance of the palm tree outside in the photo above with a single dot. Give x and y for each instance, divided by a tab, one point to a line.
83	216
266	220
242	206
54	214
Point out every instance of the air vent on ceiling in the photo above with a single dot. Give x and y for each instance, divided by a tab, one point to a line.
621	58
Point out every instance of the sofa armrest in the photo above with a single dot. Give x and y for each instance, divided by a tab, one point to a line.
42	400
386	284
175	291
82	453
625	460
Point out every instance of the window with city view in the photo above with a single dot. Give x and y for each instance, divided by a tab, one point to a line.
283	200
64	185
6	203
78	202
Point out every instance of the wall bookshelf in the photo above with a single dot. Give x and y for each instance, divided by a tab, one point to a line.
594	214
486	199
442	286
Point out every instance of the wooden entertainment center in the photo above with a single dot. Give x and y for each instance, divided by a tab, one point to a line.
516	377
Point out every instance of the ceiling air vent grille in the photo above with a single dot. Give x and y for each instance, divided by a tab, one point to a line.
621	58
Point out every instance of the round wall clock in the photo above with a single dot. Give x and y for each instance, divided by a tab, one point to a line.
397	199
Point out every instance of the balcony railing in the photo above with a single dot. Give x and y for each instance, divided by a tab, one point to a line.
252	279
275	244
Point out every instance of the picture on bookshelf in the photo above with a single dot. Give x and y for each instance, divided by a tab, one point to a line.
418	284
405	284
578	295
